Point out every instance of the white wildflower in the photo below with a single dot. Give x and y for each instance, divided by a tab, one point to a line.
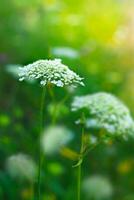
106	112
54	138
97	187
21	166
50	71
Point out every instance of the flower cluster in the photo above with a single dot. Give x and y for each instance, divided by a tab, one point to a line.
21	166
97	187
50	71
106	112
54	138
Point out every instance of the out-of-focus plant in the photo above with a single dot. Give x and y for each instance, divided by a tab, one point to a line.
97	187
21	166
54	138
65	52
106	114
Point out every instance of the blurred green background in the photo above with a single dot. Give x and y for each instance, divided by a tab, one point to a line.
96	39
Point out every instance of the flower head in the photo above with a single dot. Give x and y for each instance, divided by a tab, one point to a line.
54	138
106	112
21	166
97	187
50	71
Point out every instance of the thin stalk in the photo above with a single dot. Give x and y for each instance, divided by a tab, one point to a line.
32	190
40	131
80	166
54	119
79	183
56	105
52	95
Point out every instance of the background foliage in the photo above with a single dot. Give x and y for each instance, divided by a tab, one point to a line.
95	38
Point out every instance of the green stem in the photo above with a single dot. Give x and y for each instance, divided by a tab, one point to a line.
32	190
80	166
79	183
52	95
40	131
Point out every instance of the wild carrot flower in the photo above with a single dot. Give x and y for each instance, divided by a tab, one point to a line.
50	71
105	112
21	166
56	73
54	138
